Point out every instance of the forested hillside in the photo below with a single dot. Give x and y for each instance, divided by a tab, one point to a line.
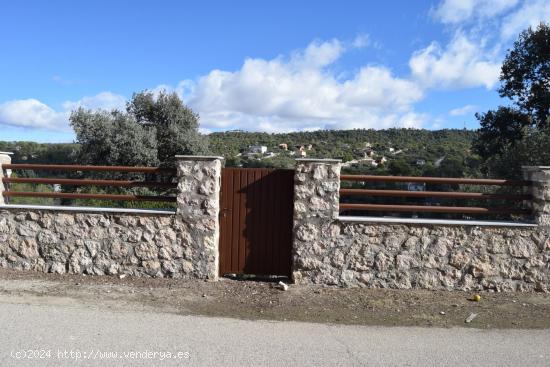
403	151
31	152
379	152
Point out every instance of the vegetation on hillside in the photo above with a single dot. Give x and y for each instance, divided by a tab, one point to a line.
519	134
444	152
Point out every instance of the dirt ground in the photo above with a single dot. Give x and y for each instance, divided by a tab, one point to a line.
247	299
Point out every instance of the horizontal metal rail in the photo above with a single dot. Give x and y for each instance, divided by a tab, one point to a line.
72	167
432	209
66	195
443	180
77	182
432	194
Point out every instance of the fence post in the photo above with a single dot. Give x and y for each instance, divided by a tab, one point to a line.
199	184
540	189
4	159
316	201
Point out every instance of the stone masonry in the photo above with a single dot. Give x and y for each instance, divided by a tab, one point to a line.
199	185
330	251
180	245
4	159
88	243
540	176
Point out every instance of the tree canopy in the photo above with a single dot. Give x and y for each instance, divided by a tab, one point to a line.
151	131
513	132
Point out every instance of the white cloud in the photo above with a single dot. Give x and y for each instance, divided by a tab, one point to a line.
33	113
462	64
457	11
301	93
512	16
530	14
361	41
103	100
482	30
461	111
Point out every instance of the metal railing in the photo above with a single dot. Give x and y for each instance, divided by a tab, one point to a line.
88	182
427	208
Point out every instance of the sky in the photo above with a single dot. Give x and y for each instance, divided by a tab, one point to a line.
256	65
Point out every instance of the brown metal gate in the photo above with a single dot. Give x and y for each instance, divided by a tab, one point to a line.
256	221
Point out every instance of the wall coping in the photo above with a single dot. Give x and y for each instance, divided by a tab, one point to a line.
434	221
325	160
535	168
198	157
87	209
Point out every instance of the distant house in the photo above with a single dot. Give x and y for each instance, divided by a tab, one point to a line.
381	161
416	186
420	162
257	149
391	150
368	152
283	146
301	152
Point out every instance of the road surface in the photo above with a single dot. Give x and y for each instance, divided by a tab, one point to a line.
58	335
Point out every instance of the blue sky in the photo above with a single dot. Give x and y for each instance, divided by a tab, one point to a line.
269	66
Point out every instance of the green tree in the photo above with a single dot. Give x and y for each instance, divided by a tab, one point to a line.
346	157
151	131
113	138
451	167
525	81
399	167
176	125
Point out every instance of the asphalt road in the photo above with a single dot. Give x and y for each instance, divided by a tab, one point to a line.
58	335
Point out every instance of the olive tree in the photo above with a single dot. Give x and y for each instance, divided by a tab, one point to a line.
519	134
151	131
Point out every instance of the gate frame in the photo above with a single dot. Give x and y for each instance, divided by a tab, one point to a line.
254	242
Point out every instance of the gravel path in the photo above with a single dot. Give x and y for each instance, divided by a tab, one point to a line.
253	300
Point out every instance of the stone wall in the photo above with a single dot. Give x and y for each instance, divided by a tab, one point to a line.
4	159
540	190
426	256
199	185
184	244
89	243
330	251
326	250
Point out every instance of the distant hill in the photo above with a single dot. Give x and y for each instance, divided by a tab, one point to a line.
410	151
401	152
31	152
420	150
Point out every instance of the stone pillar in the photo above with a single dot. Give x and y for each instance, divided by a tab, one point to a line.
4	159
316	201
199	184
540	189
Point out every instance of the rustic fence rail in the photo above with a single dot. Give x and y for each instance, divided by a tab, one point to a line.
7	181
443	180
73	167
516	198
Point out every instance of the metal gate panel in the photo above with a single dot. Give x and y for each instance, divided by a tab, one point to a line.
256	221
